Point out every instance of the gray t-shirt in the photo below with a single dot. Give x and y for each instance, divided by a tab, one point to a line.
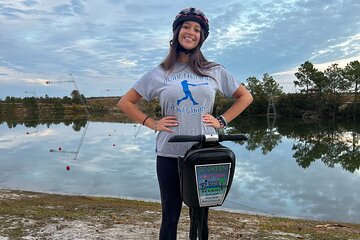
187	96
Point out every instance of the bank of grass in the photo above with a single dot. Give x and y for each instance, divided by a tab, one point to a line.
29	215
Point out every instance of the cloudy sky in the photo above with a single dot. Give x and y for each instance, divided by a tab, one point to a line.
107	45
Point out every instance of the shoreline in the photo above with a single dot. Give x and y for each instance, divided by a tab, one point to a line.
35	215
255	212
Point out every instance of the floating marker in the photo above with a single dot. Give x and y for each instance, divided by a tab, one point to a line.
67	168
59	148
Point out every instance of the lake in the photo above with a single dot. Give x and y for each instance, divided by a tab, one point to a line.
288	167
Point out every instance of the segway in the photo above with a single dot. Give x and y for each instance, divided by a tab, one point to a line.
206	173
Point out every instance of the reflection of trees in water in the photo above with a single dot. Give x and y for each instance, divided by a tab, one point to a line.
259	133
264	140
332	143
332	146
77	124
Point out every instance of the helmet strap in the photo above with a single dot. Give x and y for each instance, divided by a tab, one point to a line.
184	50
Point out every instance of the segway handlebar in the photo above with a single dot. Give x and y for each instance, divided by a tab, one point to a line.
208	138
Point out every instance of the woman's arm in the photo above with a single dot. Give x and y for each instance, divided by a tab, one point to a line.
128	105
243	99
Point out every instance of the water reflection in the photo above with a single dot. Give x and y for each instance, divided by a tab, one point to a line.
77	124
288	167
332	143
74	153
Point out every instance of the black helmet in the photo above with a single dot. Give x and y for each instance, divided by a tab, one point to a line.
192	14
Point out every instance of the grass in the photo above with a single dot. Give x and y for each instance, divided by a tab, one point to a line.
27	214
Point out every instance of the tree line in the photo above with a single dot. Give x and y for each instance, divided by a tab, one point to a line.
333	93
36	105
329	94
75	98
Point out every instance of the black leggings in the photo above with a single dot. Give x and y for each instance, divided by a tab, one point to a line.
171	201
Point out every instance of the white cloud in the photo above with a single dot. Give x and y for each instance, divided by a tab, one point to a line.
13	74
347	46
15	139
123	62
128	148
113	43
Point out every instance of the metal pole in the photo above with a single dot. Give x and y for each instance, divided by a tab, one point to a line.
81	99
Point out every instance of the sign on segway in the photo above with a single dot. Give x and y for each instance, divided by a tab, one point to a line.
212	181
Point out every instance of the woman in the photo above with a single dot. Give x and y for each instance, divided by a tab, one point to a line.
186	84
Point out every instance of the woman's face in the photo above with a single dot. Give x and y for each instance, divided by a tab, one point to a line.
189	35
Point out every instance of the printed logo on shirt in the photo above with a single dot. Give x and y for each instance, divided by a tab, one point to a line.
188	109
185	86
186	75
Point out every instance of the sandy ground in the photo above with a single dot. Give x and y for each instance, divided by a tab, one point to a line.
25	215
92	229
